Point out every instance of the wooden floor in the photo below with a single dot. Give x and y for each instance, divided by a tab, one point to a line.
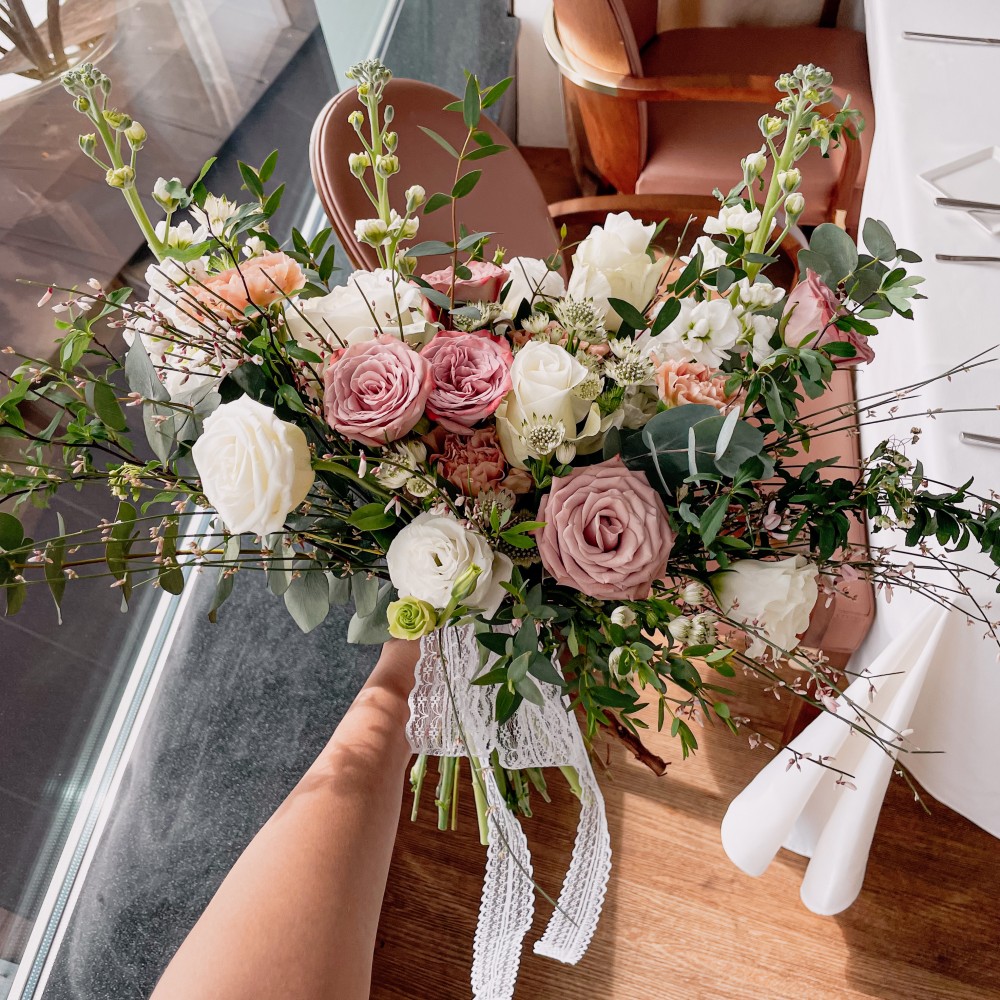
680	921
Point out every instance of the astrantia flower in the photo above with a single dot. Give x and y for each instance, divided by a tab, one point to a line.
628	365
581	318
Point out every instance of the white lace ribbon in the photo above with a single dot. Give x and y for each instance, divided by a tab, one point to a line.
451	717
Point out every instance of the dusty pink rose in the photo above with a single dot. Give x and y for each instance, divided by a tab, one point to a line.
811	305
474	463
261	280
375	392
680	382
484	285
606	532
471	377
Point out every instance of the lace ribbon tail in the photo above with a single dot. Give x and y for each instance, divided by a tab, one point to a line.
574	921
507	906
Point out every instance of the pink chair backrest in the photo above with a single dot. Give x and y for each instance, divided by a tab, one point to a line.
507	200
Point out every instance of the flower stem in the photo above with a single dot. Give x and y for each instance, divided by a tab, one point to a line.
482	806
417	774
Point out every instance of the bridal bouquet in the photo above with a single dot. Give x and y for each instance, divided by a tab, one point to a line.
579	493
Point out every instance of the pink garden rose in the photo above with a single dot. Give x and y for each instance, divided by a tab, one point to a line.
680	382
811	305
260	280
375	391
484	285
606	532
474	463
471	377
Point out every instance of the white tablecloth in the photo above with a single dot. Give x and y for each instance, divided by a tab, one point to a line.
936	102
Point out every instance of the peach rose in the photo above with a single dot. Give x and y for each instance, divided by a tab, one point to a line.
680	382
474	463
262	281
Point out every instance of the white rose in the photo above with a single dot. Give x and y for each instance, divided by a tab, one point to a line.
254	468
345	315
530	280
434	550
612	263
702	331
543	378
776	597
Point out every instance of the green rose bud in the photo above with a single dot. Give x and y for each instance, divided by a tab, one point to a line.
410	618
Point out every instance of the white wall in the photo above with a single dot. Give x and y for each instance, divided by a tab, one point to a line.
540	119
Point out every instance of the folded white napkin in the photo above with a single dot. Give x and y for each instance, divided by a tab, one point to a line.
800	805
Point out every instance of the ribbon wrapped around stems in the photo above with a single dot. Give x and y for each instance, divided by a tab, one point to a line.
451	717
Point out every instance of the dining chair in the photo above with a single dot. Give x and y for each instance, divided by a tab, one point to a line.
507	201
674	112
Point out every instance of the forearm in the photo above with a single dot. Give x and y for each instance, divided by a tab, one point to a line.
297	915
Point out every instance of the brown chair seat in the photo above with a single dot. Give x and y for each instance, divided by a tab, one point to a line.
695	146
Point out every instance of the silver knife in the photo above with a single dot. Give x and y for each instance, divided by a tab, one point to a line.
969	206
983	440
967	258
922	36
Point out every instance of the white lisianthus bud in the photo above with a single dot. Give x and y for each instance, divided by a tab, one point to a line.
680	628
386	165
415	197
794	205
566	452
623	616
693	593
753	165
359	163
789	180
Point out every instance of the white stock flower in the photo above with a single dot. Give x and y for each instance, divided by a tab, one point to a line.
759	295
254	468
181	236
543	379
775	597
530	280
702	331
733	219
215	213
712	256
612	263
434	550
345	315
377	233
